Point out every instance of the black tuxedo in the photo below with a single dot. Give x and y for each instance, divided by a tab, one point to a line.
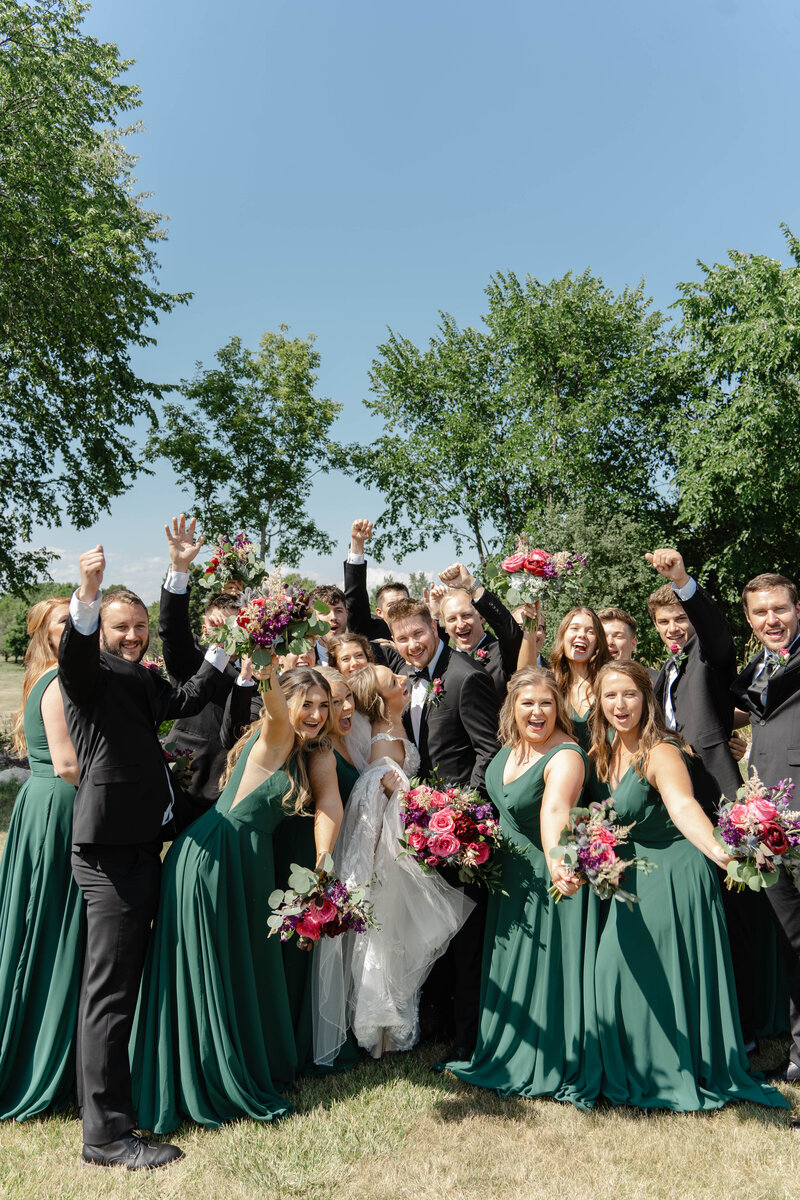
776	755
702	700
183	658
356	599
502	648
113	709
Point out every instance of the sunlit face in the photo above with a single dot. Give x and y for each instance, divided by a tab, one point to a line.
580	639
416	640
622	702
535	714
309	713
289	661
673	625
342	708
773	617
622	641
350	657
124	631
393	688
461	620
336	618
55	627
388	597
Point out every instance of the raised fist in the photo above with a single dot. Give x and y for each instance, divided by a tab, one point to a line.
93	564
457	576
360	532
669	563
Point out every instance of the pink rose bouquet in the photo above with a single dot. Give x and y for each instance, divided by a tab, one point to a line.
761	832
233	562
453	827
317	904
535	574
589	848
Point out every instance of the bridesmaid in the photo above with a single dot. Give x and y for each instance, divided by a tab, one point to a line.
41	914
666	1003
214	1033
579	652
538	1035
342	729
349	652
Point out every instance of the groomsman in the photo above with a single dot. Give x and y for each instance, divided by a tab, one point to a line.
336	617
452	719
769	690
621	629
463	611
123	807
359	617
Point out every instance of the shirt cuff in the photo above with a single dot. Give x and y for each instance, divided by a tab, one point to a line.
355	560
687	591
217	657
245	682
176	582
85	617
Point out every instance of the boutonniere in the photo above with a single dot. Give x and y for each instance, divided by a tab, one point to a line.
480	654
676	655
776	658
435	692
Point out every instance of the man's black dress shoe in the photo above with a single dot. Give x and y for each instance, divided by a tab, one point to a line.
788	1073
458	1054
132	1151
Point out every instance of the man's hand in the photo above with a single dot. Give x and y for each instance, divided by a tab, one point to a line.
669	563
433	597
93	564
183	549
738	746
457	576
360	532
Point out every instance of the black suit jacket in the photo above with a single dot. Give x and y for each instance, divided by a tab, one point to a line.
201	733
113	710
703	702
776	728
356	599
458	733
502	650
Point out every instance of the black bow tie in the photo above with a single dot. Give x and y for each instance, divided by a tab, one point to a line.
423	674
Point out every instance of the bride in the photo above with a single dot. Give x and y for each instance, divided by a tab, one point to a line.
416	913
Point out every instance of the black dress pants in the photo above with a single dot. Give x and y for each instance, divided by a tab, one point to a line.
120	886
785	900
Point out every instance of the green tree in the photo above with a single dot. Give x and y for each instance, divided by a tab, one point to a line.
737	477
563	397
15	642
249	440
76	278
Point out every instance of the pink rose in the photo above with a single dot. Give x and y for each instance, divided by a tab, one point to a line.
442	821
432	860
438	799
607	836
417	841
738	815
600	850
536	562
479	852
763	809
674	647
307	928
320	914
444	844
514	563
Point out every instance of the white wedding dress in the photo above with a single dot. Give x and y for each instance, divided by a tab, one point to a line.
416	912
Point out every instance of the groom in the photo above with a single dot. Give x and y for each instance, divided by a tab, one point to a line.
452	719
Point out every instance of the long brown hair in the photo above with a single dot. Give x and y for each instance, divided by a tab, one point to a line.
527	677
652	727
296	682
39	657
559	663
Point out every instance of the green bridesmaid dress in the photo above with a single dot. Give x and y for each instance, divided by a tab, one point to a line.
580	728
213	1037
42	934
537	1035
666	1002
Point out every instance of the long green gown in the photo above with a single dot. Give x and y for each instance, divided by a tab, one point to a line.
580	728
294	843
537	1033
213	1037
666	1001
42	934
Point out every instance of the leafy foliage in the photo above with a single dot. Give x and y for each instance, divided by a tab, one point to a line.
76	278
249	440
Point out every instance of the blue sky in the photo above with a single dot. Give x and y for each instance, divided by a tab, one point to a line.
344	167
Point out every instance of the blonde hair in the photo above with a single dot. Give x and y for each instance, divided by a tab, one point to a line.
367	695
39	657
296	682
560	664
527	677
652	727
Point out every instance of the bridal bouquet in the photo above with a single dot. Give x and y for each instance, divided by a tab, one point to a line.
234	562
317	904
275	619
588	845
535	574
761	832
452	827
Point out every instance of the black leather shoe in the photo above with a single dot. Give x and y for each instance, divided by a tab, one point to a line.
133	1152
788	1073
458	1054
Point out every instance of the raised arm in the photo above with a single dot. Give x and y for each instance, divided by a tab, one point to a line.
79	651
710	623
530	646
668	774
356	596
182	656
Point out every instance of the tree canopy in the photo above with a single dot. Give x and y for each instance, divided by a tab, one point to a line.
77	284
